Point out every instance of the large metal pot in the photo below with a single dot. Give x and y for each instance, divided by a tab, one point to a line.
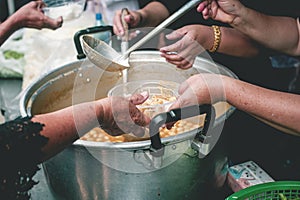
95	170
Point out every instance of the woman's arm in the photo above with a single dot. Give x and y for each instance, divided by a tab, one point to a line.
149	16
30	16
194	39
278	109
115	115
275	32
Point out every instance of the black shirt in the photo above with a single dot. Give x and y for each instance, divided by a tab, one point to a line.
20	152
4	7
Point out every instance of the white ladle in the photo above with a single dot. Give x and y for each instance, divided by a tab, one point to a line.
105	57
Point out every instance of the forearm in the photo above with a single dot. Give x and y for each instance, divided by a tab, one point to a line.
65	126
278	108
236	43
153	14
7	28
279	33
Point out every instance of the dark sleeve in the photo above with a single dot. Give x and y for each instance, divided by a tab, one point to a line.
21	142
172	6
20	151
143	3
4	11
289	8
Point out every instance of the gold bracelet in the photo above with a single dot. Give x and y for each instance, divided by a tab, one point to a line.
217	40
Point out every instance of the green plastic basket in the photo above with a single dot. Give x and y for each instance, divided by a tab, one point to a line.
279	190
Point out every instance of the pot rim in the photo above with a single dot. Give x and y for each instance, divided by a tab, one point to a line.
32	90
146	144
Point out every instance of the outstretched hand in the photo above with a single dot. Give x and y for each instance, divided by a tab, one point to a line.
193	40
221	10
133	19
199	89
121	115
32	16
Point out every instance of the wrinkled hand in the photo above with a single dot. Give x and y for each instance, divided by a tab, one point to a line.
222	10
32	16
200	89
193	41
133	20
121	115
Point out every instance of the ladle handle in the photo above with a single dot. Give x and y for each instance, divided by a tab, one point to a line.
90	30
184	9
159	120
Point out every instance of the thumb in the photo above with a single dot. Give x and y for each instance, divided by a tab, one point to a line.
128	19
137	99
202	6
131	20
53	23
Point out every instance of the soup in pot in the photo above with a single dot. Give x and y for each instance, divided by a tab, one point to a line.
148	108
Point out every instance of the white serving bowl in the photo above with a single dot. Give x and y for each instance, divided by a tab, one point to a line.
68	9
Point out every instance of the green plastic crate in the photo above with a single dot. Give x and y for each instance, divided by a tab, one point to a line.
279	190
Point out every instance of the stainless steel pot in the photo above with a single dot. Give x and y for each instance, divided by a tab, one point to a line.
95	170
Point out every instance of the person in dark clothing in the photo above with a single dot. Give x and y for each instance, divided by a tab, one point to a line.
26	142
282	35
30	16
257	69
247	68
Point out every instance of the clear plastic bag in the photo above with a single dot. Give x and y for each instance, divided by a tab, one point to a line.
9	98
12	53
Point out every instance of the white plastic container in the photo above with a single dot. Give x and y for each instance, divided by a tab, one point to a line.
68	9
161	94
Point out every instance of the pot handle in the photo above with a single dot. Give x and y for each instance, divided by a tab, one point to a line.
156	148
90	30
